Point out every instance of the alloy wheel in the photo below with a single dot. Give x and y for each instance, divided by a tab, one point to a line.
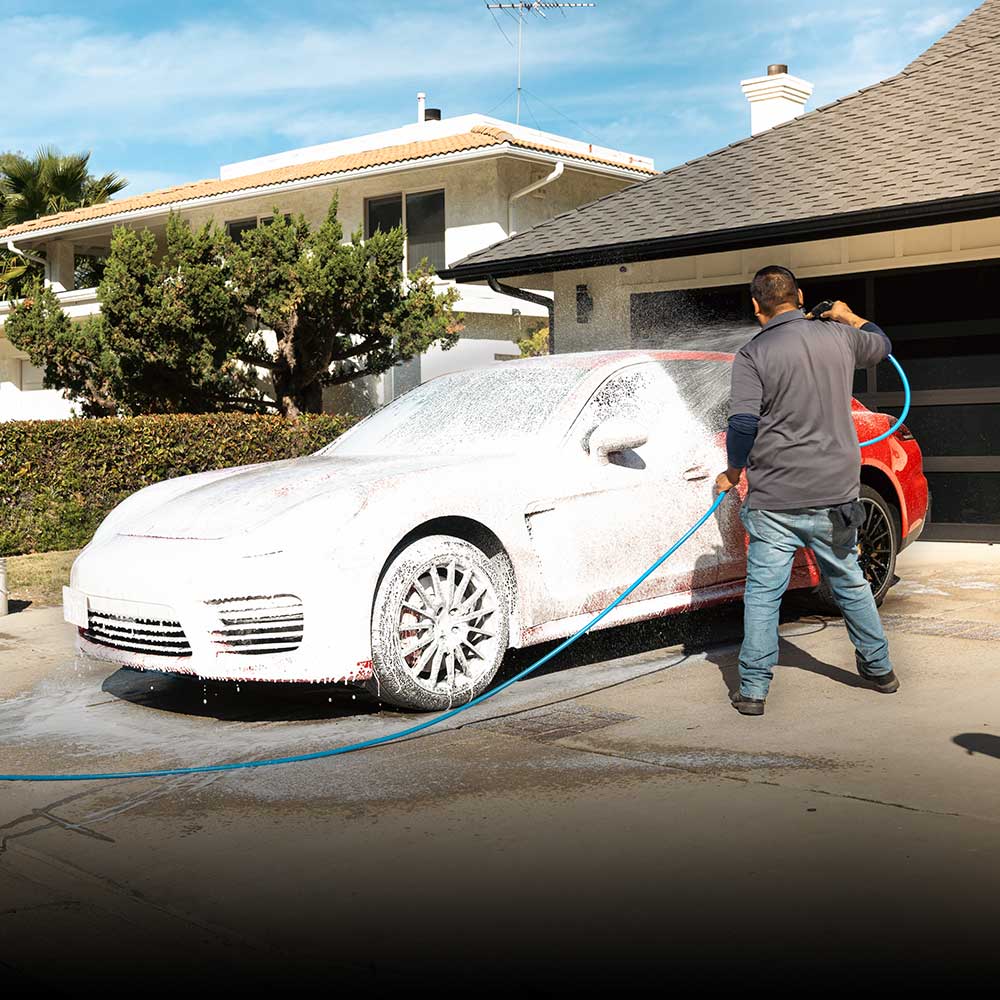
446	626
875	545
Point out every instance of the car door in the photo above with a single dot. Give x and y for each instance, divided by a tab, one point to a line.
595	528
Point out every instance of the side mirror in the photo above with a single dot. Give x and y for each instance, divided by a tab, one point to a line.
615	436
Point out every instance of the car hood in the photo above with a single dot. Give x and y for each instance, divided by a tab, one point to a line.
236	501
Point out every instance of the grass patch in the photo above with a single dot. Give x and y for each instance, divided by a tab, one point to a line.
39	577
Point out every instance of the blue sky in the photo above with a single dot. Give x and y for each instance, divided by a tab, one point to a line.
166	93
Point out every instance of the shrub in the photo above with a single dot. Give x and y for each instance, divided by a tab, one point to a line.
59	478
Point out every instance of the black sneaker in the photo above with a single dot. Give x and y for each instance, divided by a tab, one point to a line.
747	706
883	683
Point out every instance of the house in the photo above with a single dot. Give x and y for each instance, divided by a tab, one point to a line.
888	198
456	184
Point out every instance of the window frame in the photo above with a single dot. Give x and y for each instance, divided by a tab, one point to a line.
403	194
260	220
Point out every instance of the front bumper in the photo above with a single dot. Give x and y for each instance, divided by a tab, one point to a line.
202	609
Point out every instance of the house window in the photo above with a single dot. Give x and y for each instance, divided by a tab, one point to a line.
383	214
421	215
238	227
425	229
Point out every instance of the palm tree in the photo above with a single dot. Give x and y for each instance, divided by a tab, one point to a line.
42	185
48	182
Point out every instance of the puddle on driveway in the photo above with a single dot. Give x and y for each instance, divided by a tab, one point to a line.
87	716
82	715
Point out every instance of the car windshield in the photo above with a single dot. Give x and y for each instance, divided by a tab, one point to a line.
482	410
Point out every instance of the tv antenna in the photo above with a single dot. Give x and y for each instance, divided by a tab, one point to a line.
518	10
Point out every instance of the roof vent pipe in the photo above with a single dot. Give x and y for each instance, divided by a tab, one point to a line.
421	98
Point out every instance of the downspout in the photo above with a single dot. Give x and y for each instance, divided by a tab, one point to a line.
520	293
30	257
34	259
526	296
554	175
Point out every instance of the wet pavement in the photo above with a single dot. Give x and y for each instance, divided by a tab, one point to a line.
610	816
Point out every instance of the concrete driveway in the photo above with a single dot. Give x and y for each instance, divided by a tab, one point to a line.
609	818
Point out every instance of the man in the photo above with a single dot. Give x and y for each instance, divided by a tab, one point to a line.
790	425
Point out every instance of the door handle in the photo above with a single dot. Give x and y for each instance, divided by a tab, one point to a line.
695	472
539	507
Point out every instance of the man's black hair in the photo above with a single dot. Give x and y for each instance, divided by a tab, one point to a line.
774	286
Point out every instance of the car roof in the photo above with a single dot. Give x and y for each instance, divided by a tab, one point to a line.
594	360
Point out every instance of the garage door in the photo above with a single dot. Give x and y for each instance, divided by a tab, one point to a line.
944	324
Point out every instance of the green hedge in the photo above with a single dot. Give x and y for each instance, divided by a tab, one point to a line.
59	478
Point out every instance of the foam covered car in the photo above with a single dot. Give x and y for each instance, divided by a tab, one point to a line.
483	510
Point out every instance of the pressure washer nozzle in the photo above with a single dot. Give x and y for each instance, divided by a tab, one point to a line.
820	308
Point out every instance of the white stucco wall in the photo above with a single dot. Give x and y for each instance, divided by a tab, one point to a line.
611	286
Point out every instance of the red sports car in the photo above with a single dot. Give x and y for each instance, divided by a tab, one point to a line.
497	507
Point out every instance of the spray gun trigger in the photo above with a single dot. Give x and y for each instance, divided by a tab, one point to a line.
818	309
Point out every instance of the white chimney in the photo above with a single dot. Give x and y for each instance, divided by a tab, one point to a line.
776	98
421	99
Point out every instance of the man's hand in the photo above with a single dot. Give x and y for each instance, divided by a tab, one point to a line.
727	480
841	312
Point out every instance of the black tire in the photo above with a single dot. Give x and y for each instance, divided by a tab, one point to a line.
432	587
878	542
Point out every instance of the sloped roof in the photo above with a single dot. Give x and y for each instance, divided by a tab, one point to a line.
919	147
478	137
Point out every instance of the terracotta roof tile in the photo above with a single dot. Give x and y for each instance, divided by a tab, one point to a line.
479	137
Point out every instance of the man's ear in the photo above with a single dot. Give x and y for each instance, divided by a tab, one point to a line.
802	300
756	306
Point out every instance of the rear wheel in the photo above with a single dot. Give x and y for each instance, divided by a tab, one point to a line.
439	625
878	546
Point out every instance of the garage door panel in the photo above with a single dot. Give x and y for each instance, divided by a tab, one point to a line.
955	430
962	498
967	371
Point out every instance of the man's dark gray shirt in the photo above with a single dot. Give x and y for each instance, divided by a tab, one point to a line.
797	376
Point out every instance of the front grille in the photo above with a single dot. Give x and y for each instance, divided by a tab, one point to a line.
258	625
153	636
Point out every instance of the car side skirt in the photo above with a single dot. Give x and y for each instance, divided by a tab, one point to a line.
804	575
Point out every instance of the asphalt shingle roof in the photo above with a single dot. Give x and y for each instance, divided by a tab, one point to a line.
907	150
478	137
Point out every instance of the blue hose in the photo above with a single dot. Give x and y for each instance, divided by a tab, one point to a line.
906	406
444	716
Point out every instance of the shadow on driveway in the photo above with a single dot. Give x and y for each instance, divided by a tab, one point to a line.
695	633
973	743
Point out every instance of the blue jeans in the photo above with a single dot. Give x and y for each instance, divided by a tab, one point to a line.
774	538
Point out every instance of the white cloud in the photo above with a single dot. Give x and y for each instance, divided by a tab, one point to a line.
212	61
661	78
936	24
209	81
